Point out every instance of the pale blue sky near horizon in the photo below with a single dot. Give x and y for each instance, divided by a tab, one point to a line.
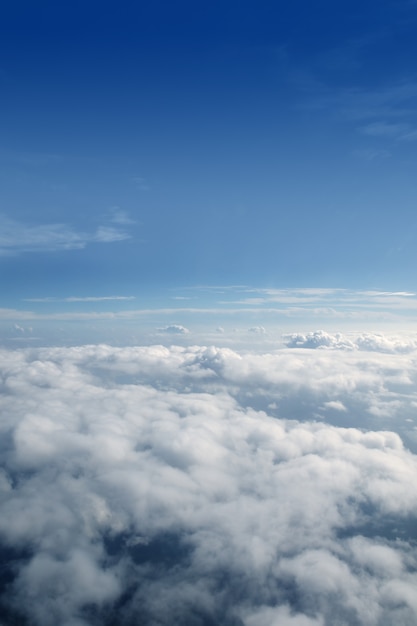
148	149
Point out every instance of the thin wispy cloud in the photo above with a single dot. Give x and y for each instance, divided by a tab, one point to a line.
410	135
79	299
17	237
119	216
371	154
383	129
140	183
393	101
32	159
385	112
108	234
338	298
260	307
398	132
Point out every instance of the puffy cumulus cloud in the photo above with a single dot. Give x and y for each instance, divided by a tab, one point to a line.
365	341
319	339
174	329
258	330
381	343
148	485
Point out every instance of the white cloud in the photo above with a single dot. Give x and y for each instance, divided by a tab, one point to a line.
107	234
258	330
372	342
400	132
383	343
174	329
21	329
409	136
393	101
371	154
385	129
387	113
336	302
119	216
154	484
79	299
273	309
141	183
16	237
336	405
320	339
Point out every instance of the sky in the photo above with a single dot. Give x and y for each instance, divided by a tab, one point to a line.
208	337
149	148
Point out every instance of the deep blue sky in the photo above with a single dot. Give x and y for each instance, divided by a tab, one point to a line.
148	146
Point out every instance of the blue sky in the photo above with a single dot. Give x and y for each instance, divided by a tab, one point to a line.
149	148
208	337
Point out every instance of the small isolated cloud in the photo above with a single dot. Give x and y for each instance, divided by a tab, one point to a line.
174	329
141	183
119	216
20	333
17	238
257	330
336	405
21	329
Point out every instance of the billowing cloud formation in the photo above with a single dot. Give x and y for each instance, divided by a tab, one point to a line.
319	339
365	341
167	486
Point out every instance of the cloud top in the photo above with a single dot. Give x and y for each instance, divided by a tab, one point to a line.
177	485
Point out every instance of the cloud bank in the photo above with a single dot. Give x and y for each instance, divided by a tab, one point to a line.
366	341
155	485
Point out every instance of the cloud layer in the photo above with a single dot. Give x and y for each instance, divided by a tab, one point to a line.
203	486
